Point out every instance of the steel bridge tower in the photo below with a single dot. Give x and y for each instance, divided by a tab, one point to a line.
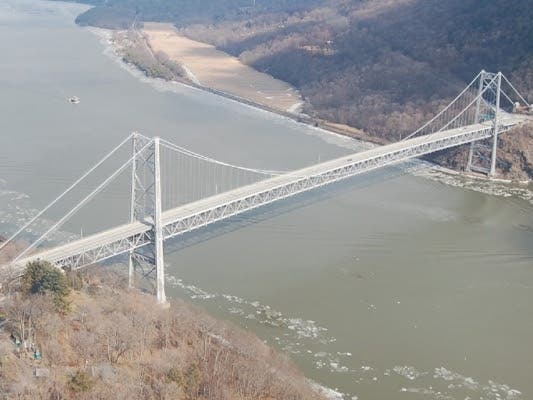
489	83
146	208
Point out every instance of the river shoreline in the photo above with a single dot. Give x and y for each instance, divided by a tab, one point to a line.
429	170
191	81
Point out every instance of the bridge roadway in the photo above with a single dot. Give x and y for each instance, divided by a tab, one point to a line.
122	239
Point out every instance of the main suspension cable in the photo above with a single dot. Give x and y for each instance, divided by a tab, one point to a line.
78	181
444	109
89	197
182	150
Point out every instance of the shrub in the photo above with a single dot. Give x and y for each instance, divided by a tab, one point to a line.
74	280
189	380
80	382
175	375
41	277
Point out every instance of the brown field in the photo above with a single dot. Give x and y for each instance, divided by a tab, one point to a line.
209	67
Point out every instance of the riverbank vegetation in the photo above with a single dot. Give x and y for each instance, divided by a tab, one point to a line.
134	49
86	336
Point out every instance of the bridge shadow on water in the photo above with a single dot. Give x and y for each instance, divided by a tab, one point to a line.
284	206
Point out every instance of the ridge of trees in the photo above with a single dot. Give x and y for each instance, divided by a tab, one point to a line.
42	278
122	13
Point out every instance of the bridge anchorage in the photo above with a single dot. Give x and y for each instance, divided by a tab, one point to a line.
174	190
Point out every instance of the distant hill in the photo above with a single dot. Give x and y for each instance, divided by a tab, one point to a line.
121	13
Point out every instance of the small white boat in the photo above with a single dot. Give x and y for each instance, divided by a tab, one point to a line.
74	100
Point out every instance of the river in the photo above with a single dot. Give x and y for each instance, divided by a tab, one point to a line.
390	286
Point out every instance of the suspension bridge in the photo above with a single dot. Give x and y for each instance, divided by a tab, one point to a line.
175	190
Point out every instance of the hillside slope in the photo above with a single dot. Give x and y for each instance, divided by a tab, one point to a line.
382	66
115	343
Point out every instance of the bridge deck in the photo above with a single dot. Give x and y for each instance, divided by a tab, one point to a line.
313	170
215	204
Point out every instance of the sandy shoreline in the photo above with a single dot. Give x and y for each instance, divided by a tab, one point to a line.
208	69
206	66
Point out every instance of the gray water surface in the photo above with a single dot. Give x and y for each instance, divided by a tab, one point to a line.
388	286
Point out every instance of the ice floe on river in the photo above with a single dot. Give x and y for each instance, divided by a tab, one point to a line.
303	337
15	211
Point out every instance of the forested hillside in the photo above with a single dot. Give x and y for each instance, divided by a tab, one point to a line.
86	336
384	66
380	65
121	13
